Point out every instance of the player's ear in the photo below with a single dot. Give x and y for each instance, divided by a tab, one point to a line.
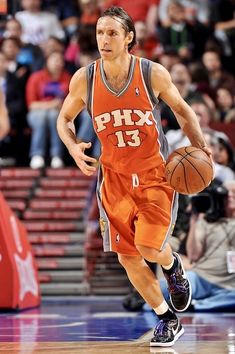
130	37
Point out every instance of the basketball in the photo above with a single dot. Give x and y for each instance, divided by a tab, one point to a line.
189	170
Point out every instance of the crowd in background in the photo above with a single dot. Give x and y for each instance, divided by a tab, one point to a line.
43	43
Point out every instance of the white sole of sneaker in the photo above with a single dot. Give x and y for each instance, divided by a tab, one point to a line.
190	289
169	344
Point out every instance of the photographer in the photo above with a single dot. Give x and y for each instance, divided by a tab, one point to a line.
210	248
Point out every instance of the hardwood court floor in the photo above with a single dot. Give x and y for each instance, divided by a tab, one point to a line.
100	325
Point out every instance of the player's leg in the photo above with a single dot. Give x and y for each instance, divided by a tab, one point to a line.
168	329
153	227
178	284
133	301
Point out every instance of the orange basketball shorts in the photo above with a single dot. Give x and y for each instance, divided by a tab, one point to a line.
135	209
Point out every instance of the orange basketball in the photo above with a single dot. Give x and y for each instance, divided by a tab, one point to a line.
189	170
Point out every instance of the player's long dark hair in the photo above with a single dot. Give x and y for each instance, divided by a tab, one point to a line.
126	21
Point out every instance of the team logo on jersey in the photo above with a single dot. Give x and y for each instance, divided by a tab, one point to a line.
102	226
137	91
124	117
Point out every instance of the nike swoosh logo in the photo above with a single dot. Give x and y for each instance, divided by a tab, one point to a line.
175	330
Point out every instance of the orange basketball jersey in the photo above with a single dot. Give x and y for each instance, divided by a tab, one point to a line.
127	122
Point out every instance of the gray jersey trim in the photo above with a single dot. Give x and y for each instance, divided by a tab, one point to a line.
146	66
174	211
106	233
90	78
129	79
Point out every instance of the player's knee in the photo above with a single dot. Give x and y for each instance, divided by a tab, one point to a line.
150	254
129	261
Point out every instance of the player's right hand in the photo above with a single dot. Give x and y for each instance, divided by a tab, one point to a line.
81	159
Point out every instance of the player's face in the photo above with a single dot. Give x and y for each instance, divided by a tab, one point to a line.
111	38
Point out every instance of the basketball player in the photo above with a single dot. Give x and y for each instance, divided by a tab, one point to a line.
137	207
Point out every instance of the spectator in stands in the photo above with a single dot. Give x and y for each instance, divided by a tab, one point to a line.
140	10
38	25
4	123
14	79
30	54
187	39
90	12
68	13
210	249
225	154
82	49
54	44
4	118
199	9
181	78
46	90
169	58
222	172
222	18
217	76
147	47
200	80
177	139
225	105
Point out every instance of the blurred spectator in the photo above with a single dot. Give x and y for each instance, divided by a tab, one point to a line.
46	90
217	76
223	20
29	54
169	58
14	79
147	47
210	245
225	154
82	49
225	105
38	25
68	13
177	139
90	12
140	10
181	78
194	9
200	80
4	119
4	125
222	172
54	44
187	39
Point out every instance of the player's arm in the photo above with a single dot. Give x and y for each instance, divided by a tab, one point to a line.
4	119
72	105
164	88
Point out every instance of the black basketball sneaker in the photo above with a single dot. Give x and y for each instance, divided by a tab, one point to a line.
178	286
166	333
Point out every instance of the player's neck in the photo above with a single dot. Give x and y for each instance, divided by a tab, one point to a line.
118	67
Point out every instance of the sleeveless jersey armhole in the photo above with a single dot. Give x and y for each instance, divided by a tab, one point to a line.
146	66
90	76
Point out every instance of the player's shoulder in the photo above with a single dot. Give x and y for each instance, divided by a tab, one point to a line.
159	71
82	73
160	77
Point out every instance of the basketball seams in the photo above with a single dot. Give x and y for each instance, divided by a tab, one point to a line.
195	157
185	179
185	157
174	169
